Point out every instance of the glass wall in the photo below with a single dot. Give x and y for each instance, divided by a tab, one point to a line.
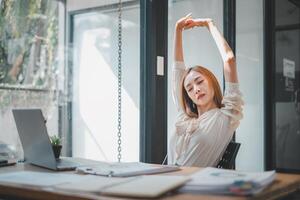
30	70
249	55
287	85
199	46
95	82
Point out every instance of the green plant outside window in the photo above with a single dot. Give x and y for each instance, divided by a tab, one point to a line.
28	42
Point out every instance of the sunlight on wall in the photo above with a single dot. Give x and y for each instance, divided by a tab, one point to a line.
95	95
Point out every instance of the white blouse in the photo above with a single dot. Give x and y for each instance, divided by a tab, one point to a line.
201	141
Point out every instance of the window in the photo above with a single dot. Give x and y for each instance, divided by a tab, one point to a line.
94	75
30	66
249	56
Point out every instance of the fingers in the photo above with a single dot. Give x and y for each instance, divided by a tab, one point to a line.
188	26
188	16
189	23
189	20
183	19
182	22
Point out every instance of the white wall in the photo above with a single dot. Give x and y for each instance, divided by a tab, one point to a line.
249	54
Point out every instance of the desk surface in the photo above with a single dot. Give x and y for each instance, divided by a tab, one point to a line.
283	185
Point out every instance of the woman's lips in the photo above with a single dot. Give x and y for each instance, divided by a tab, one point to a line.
200	96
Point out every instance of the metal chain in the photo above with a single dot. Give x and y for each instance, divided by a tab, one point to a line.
119	78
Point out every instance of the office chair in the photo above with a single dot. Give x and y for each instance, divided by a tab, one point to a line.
228	159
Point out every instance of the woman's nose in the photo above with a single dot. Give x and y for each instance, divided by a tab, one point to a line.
196	89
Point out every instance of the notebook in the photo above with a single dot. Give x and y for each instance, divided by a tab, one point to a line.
125	169
146	186
35	140
138	186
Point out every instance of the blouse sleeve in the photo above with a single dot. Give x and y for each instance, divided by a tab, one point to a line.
178	70
233	103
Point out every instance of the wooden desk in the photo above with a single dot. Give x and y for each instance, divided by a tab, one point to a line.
283	185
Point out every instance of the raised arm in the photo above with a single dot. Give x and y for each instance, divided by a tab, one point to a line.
179	27
226	52
178	66
230	71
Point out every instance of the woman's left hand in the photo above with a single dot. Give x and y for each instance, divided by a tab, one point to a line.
191	23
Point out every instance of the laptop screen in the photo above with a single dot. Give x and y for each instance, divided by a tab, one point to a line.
34	137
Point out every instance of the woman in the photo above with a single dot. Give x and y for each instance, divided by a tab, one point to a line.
207	120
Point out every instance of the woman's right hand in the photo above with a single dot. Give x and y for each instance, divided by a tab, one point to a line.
182	22
202	22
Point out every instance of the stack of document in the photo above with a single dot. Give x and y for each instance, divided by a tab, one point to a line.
222	181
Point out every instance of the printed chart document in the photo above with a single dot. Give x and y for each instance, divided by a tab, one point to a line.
125	169
222	181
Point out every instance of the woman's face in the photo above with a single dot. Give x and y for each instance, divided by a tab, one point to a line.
198	88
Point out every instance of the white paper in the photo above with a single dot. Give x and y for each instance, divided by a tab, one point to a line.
289	68
94	183
42	179
160	65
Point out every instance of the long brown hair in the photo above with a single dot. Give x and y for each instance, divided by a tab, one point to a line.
186	102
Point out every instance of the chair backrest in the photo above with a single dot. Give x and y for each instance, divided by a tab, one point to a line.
228	159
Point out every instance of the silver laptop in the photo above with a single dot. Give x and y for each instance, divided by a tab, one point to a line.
35	140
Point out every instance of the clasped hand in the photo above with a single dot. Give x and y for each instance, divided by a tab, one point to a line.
188	22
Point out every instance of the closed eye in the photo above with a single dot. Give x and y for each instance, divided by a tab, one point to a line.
199	82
